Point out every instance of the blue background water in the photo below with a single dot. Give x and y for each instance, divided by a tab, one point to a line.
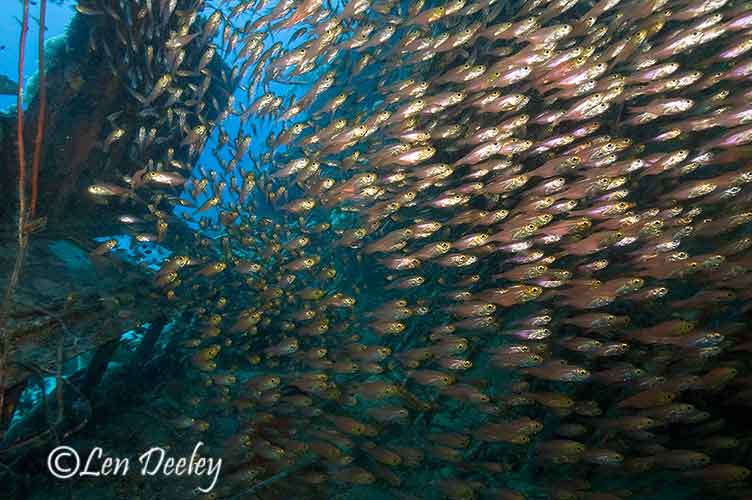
57	19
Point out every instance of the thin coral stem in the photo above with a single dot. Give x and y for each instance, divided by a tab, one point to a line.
20	125
22	239
40	117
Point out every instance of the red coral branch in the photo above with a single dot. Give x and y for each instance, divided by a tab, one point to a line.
20	126
22	238
40	118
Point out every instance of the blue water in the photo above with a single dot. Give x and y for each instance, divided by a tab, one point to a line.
57	19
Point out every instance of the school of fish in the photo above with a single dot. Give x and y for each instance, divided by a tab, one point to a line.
492	250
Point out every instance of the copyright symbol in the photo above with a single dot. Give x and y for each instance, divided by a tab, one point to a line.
56	462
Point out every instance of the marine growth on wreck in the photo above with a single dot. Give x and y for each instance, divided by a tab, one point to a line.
380	249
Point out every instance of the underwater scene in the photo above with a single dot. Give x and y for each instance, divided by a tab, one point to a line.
376	249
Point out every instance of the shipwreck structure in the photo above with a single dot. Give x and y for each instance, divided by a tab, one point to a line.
67	310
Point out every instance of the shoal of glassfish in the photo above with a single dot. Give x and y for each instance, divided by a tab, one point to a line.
490	240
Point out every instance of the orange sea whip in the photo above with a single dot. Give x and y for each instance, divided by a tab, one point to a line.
20	126
22	239
40	117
